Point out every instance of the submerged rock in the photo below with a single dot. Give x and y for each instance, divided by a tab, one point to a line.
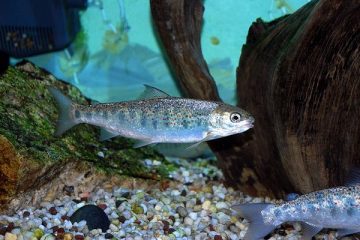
94	216
33	160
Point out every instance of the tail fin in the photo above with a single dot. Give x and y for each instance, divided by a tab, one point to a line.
66	120
252	212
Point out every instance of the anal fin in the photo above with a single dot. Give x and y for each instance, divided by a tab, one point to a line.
309	230
106	135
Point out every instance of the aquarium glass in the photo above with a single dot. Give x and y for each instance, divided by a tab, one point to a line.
118	51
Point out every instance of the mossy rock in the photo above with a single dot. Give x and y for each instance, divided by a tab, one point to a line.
30	155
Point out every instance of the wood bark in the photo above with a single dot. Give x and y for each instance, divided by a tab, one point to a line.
298	76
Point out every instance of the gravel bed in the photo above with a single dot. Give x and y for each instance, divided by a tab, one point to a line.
197	208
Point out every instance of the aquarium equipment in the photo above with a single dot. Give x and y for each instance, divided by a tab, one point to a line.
29	28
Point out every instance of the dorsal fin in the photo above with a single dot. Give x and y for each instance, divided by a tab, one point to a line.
353	177
151	92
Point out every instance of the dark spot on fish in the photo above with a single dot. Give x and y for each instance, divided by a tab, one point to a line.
105	115
132	114
185	124
199	122
121	116
77	114
143	120
351	212
277	213
311	208
155	123
333	211
88	114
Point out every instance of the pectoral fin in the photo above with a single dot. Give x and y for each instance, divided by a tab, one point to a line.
106	135
345	232
208	137
353	178
142	143
309	231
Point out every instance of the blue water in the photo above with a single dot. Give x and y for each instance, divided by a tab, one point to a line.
116	72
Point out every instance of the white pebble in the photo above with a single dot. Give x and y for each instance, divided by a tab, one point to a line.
221	205
68	224
188	221
206	205
80	204
114	215
10	236
114	228
193	215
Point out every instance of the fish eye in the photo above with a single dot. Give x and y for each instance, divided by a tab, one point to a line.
235	117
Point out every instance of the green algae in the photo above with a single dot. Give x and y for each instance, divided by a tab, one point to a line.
28	117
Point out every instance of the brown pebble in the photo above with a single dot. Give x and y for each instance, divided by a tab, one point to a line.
55	228
53	211
172	218
103	206
60	233
64	217
84	199
10	227
218	237
211	227
164	185
2	231
166	225
79	237
122	219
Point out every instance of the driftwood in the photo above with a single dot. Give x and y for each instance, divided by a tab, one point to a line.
298	76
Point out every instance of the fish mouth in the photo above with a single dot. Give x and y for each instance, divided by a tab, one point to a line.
246	125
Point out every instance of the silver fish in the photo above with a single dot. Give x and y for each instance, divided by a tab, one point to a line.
337	208
156	118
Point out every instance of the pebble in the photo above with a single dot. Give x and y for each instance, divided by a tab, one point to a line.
206	205
188	221
68	236
93	215
48	237
182	211
193	209
193	215
10	236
